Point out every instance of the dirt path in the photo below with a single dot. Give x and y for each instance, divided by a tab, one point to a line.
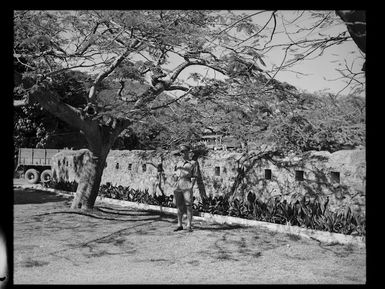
126	246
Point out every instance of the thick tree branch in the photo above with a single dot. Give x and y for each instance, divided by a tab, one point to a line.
51	102
110	69
176	87
186	64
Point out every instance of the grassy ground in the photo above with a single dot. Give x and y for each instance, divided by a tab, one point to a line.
118	245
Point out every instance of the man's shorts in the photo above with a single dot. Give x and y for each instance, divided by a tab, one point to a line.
183	197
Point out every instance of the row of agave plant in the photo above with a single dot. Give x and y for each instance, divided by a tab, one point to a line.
303	212
129	194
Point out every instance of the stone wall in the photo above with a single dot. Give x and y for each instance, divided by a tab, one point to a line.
219	170
339	176
126	168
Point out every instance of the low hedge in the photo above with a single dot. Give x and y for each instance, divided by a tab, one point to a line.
303	212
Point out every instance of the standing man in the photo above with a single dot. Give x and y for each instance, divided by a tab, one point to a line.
185	174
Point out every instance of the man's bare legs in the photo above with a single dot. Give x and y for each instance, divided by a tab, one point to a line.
183	201
179	214
179	202
188	198
189	217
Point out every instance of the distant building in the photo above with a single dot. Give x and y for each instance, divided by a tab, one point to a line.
220	142
212	141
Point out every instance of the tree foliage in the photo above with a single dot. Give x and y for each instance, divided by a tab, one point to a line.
322	123
50	43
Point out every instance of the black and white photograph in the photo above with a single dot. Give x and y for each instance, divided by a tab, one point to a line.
184	147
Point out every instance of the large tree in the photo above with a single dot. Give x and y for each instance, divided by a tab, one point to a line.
134	57
118	44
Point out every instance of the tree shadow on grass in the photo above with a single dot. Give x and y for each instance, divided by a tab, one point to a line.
104	217
232	247
337	249
113	211
29	196
217	227
34	263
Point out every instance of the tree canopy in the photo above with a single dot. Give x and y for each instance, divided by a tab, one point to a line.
125	50
131	55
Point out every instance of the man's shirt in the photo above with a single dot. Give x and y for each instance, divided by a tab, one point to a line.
185	170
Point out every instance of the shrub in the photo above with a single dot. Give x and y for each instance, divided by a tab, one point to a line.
63	186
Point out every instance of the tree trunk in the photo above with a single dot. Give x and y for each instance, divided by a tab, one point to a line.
200	184
89	183
100	139
355	21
